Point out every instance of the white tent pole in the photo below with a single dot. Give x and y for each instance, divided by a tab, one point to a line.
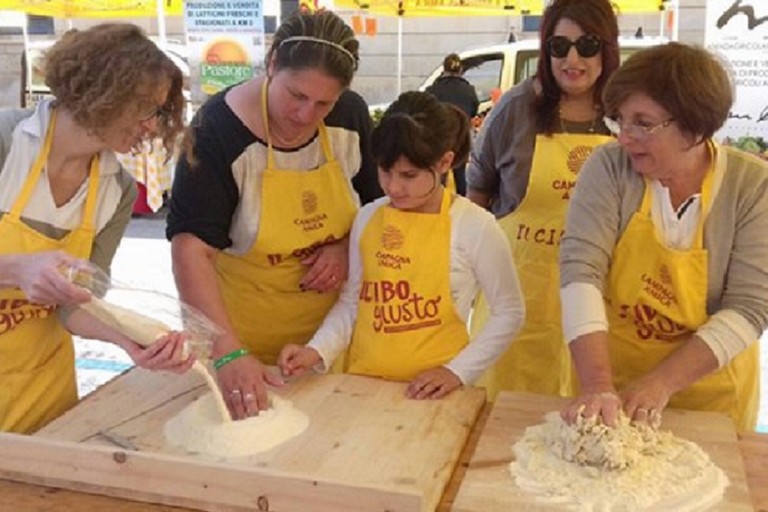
662	20
161	23
399	54
27	92
676	20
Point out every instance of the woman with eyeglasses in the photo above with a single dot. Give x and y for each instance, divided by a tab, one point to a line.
664	262
523	167
263	201
65	199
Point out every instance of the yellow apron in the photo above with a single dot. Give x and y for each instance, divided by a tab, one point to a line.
406	320
450	182
37	359
300	211
538	360
657	298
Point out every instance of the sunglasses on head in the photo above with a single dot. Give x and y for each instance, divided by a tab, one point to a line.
586	46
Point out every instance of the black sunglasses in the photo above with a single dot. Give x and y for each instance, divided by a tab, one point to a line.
586	46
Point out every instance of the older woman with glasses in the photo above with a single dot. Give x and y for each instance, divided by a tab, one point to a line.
65	199
664	262
523	167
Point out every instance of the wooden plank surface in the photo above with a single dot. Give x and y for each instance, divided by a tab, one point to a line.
488	486
754	450
363	432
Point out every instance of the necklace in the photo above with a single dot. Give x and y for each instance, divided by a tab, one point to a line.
283	142
591	128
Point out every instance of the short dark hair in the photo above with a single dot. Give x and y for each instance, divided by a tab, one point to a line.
452	63
668	74
422	129
594	17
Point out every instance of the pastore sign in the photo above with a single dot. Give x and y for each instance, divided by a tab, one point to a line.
225	42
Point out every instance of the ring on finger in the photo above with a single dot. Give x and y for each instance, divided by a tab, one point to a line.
249	397
642	409
235	392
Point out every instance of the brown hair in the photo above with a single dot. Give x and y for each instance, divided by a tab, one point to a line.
669	74
332	59
100	73
594	17
422	129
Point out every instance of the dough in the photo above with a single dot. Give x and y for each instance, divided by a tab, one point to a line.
198	428
590	467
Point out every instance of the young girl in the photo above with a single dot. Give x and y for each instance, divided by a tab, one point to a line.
417	259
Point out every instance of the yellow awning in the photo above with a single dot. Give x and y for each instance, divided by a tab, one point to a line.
94	8
474	7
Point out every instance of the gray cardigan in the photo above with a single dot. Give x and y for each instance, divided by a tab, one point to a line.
608	192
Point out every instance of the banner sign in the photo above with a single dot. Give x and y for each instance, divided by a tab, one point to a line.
225	41
476	7
94	8
737	30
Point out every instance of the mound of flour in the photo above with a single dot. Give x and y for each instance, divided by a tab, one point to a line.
198	428
591	467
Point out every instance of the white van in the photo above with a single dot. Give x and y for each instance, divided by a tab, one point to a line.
503	65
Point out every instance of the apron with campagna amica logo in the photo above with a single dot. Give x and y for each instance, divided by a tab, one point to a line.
406	320
657	298
300	211
538	360
37	359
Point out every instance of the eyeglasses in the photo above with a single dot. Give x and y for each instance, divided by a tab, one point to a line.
634	130
586	46
160	113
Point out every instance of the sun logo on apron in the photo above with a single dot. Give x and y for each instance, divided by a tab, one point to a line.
391	238
308	202
577	156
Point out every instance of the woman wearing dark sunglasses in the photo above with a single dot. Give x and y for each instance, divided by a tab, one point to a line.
64	199
523	167
664	261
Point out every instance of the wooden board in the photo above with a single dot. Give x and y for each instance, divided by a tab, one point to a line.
367	448
488	486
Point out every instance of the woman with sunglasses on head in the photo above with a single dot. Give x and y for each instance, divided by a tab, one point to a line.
664	262
263	201
65	199
523	166
417	259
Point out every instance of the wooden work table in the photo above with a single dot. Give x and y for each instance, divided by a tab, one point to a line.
33	498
